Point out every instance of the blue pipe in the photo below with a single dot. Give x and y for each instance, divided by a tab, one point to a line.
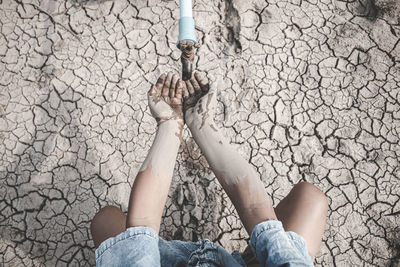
185	8
186	22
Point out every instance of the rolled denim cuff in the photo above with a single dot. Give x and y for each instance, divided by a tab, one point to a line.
117	251
275	247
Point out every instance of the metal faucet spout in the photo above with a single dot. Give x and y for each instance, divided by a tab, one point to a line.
187	58
187	69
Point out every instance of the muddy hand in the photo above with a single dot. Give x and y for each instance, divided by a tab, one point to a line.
199	101
165	98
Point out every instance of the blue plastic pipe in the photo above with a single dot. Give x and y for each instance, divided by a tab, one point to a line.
186	8
186	22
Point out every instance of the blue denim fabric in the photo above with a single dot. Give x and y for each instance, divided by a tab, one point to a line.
141	246
275	247
137	246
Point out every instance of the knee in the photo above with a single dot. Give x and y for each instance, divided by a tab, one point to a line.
312	193
104	214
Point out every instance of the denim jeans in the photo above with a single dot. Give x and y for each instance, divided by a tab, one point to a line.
141	246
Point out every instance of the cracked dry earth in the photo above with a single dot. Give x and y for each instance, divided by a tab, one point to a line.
310	92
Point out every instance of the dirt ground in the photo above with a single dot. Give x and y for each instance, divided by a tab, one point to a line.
310	92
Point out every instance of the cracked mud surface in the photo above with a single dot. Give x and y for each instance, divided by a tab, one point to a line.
311	92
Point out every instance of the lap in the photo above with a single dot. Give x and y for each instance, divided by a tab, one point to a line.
141	246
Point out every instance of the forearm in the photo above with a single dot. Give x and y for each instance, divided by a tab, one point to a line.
151	186
236	175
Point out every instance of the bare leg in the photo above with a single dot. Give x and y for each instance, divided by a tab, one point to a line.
108	222
304	212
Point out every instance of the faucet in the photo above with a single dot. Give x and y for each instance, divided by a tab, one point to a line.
187	38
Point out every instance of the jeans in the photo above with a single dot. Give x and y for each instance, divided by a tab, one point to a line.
141	246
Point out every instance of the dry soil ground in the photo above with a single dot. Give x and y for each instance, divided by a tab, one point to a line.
310	92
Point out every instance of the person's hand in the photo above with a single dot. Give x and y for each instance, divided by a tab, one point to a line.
199	102
165	99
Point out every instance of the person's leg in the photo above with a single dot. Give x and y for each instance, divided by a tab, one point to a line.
108	222
135	247
304	212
